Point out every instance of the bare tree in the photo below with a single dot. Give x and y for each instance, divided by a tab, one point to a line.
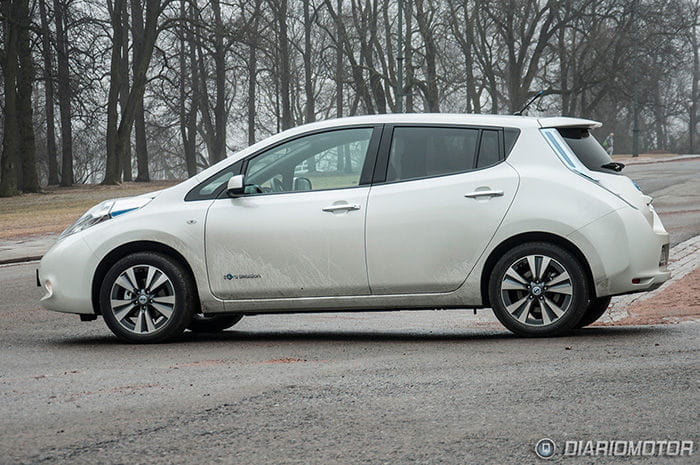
64	93
141	147
48	75
10	142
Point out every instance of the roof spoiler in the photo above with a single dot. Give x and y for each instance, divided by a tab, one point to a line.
567	122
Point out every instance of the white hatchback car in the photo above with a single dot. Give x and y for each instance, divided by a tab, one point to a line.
528	216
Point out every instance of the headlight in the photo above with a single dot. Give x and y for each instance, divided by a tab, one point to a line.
104	211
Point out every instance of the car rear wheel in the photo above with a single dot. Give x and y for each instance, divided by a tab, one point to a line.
538	289
596	309
212	324
147	297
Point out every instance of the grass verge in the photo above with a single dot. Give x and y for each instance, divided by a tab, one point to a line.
56	208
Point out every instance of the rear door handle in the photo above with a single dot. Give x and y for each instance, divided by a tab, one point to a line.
488	193
342	206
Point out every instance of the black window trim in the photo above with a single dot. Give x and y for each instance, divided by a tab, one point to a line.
365	175
382	164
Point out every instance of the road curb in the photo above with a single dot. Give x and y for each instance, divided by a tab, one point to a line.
668	160
11	261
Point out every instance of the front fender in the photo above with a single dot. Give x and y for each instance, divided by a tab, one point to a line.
181	229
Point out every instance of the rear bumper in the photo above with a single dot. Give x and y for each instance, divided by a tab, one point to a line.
625	252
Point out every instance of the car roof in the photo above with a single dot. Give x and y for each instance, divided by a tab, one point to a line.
520	122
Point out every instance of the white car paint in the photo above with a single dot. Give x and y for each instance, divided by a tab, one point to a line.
413	244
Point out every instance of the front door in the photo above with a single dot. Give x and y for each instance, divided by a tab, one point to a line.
299	231
445	191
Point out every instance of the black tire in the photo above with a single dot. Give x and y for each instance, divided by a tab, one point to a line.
127	320
212	324
596	308
538	308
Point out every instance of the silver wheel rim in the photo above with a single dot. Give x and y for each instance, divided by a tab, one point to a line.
142	299
537	290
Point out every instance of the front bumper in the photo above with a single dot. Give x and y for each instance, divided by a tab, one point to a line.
65	273
625	252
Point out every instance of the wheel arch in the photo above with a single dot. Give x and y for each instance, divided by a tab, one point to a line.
127	249
534	236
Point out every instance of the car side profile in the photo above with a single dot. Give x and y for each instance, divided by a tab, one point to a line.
528	216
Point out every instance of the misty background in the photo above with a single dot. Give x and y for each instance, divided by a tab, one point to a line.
120	90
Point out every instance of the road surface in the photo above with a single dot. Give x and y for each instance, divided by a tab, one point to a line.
675	187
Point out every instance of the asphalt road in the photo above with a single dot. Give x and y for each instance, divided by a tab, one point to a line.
404	387
675	187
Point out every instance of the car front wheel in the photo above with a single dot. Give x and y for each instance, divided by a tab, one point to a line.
538	289
147	297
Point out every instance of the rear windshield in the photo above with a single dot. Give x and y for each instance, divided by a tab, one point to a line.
586	148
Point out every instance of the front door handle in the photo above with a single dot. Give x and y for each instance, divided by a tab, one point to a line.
488	193
341	207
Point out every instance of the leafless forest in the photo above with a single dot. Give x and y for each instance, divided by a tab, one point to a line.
120	90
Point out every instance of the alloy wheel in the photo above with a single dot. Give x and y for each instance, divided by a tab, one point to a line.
142	299
536	290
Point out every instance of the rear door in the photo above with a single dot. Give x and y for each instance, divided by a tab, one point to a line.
439	195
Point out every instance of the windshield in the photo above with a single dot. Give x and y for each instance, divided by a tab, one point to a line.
587	149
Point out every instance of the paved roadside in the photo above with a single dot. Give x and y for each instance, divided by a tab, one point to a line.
653	158
25	249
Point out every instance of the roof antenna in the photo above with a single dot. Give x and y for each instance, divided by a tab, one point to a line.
527	105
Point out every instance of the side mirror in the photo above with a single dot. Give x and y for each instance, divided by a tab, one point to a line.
235	186
302	184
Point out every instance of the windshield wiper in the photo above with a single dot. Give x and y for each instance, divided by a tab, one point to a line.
613	165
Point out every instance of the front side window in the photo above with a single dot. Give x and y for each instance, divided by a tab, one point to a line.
327	160
214	185
424	152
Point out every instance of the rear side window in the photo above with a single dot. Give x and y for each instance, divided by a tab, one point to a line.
586	148
489	154
425	152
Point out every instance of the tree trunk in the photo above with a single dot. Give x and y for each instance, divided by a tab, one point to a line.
408	59
10	143
338	65
188	121
310	107
375	78
48	95
284	73
432	95
207	130
64	95
253	72
252	84
112	162
219	148
125	160
25	111
142	174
